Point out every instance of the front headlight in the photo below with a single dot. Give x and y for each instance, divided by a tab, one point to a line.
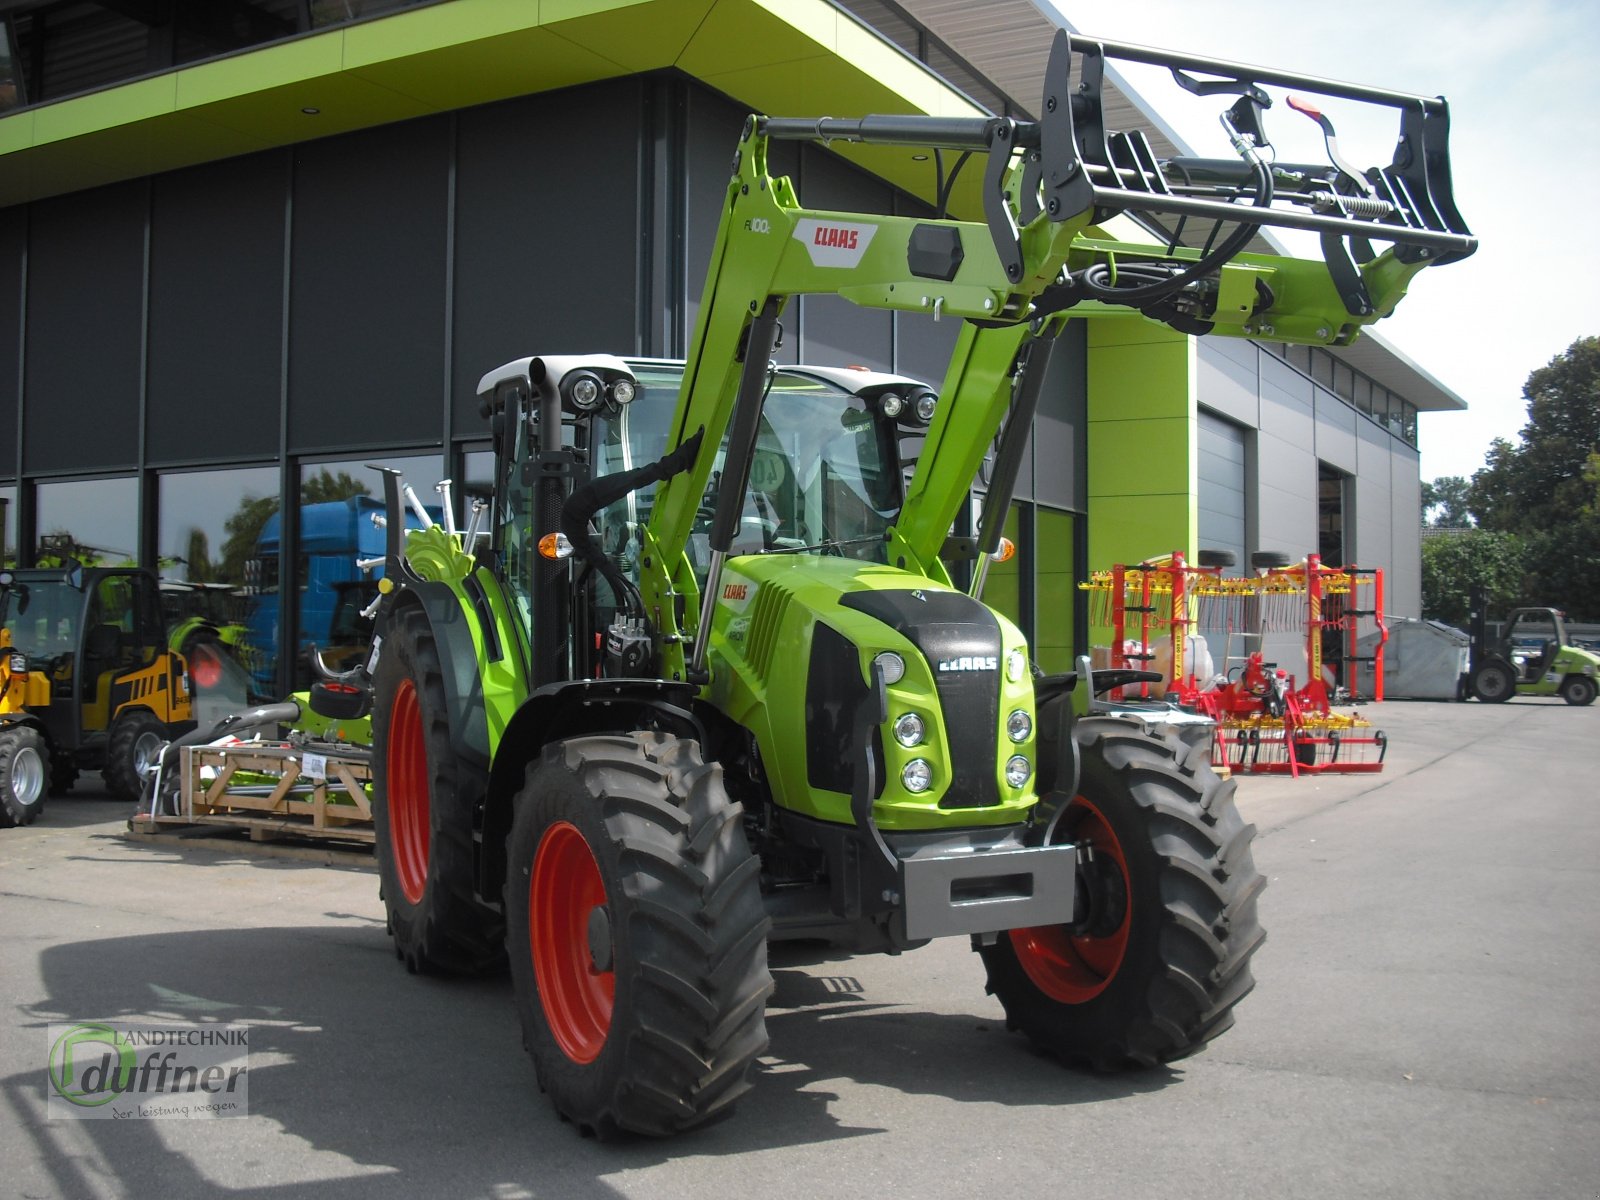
1018	770
909	730
1019	726
917	775
1016	666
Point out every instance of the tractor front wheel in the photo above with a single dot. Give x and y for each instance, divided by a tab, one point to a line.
636	935
136	740
1159	951
1494	683
1578	690
423	798
23	772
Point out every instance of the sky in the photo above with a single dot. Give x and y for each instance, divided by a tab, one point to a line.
1523	93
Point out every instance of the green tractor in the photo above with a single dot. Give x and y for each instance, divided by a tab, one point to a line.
1533	656
722	675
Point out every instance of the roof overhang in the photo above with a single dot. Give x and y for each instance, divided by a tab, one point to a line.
780	57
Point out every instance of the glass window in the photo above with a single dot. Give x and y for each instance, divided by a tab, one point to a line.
8	525
219	607
1408	422
95	521
1364	394
337	12
338	501
1344	381
1322	368
12	92
1298	357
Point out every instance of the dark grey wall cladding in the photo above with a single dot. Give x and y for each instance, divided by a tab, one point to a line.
85	307
547	232
13	246
216	310
367	271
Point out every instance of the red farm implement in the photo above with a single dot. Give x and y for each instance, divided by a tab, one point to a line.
1165	615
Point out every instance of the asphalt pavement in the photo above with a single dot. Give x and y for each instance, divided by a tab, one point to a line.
1424	1022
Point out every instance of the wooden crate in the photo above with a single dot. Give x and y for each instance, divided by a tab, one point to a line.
313	790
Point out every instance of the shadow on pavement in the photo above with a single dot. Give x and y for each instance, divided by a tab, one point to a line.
419	1086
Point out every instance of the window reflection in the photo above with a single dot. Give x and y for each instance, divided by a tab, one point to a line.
208	538
336	533
95	521
8	526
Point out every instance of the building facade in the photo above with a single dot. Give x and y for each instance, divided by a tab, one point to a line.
241	259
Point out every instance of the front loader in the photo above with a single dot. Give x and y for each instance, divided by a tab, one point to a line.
712	683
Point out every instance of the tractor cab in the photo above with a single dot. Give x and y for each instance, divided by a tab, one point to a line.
87	666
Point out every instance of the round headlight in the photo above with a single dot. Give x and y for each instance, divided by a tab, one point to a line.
891	404
892	666
585	391
917	775
925	404
622	391
1019	726
1016	666
909	730
1018	769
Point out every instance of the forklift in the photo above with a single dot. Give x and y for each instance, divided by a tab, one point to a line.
1533	656
87	682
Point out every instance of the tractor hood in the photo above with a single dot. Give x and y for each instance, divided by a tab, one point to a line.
794	640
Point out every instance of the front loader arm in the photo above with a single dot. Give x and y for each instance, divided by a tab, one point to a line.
1037	256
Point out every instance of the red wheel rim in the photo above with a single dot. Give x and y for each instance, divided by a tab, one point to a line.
1071	969
407	793
563	892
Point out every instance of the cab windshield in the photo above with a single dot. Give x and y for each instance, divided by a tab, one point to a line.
824	477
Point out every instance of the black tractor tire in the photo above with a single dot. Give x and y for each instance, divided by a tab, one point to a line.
63	774
136	739
24	771
1578	690
636	935
1267	560
1217	558
1159	955
424	797
1494	682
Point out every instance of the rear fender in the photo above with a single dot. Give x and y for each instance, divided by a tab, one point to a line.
458	655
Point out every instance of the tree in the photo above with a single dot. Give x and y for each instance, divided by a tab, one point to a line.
1540	482
321	487
1448	495
1453	563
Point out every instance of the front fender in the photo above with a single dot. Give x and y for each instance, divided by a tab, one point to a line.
566	710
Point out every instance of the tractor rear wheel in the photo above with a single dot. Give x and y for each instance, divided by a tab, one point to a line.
1494	682
636	935
1159	952
1578	690
24	768
135	740
423	801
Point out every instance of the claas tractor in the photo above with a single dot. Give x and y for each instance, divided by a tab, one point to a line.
87	682
720	677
